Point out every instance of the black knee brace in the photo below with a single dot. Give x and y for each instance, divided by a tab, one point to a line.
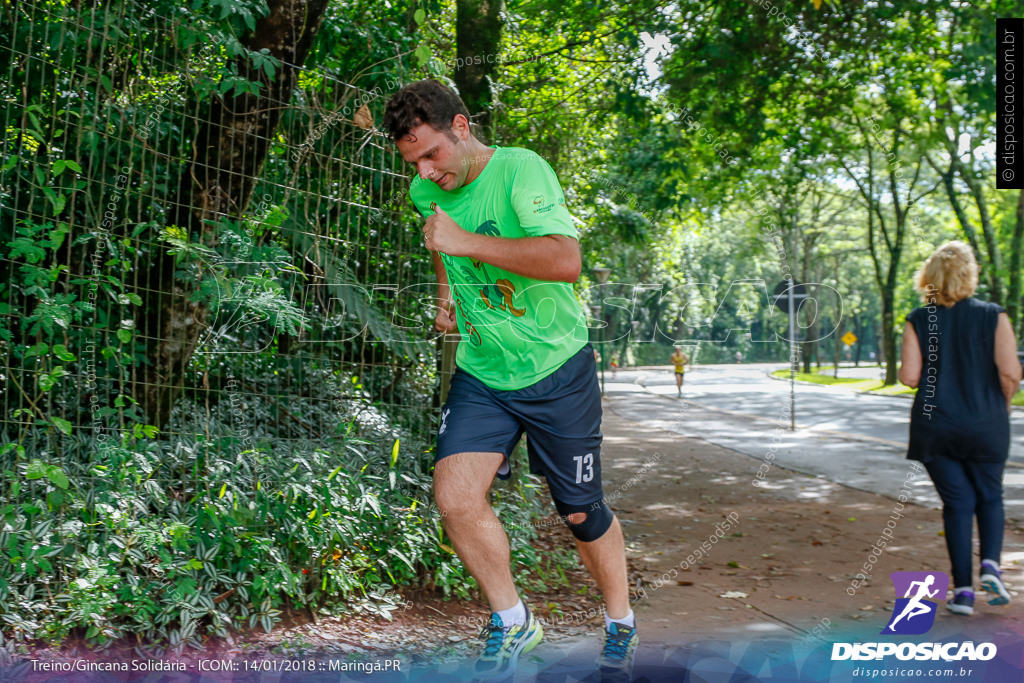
599	519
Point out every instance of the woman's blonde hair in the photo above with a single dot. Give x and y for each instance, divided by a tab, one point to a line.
949	275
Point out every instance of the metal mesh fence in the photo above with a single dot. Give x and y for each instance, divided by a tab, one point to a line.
198	305
97	165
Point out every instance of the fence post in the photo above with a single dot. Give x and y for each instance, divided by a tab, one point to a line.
449	345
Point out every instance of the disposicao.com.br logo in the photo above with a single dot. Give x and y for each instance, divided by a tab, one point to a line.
914	614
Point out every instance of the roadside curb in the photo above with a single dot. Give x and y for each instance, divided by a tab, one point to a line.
835	386
854	391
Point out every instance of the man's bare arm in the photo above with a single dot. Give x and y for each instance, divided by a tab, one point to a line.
551	257
444	321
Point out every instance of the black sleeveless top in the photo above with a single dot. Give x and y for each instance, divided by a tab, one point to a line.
959	411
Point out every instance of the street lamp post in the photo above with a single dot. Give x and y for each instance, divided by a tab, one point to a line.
602	275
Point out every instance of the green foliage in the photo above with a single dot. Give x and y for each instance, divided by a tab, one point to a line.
175	542
293	474
233	520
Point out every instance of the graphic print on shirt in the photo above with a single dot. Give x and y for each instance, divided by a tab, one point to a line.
486	228
495	294
494	291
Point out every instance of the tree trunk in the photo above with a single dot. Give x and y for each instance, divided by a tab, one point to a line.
887	288
230	148
885	274
859	331
992	273
961	216
809	350
836	350
478	38
988	231
889	333
889	291
888	301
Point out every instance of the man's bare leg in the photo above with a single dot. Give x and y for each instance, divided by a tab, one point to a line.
605	559
461	482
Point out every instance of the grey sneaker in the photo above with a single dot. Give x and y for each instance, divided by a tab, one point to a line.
616	661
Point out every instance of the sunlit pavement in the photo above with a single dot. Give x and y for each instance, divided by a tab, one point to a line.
857	440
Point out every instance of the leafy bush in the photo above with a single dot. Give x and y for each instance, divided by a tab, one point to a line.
172	541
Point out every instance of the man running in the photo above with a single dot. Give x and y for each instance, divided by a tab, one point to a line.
679	359
506	252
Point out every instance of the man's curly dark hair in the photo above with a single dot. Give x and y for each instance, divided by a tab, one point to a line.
428	101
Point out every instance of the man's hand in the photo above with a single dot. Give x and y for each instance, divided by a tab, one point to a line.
441	233
444	321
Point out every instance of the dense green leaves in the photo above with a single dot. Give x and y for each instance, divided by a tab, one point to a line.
293	470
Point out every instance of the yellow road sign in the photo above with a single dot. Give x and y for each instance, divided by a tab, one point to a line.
849	338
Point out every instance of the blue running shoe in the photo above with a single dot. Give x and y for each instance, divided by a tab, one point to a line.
503	645
992	582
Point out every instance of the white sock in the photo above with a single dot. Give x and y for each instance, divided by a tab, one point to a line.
995	565
513	615
961	589
628	620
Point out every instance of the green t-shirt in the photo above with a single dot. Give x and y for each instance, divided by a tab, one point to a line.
515	330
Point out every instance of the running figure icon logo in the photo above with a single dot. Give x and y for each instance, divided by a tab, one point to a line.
914	613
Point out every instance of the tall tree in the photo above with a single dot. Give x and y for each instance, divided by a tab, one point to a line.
478	25
1014	293
231	145
962	118
888	198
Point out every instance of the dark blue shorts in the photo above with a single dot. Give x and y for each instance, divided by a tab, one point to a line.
560	414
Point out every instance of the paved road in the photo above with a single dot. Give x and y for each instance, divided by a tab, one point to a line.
858	440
